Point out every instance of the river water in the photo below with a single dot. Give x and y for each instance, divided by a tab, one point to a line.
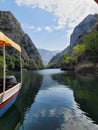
52	99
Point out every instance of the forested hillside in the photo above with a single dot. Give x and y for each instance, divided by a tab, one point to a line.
82	53
30	55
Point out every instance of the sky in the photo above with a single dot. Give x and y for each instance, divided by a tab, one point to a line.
49	23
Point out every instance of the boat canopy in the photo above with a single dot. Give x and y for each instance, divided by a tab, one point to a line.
4	40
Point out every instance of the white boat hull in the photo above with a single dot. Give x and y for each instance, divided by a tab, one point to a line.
10	92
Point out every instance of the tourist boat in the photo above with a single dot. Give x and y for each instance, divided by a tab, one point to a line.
9	88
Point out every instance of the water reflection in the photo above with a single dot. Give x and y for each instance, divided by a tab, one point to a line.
51	103
55	100
57	105
14	119
31	84
85	89
86	94
10	119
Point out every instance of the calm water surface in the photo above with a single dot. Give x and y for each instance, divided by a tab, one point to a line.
54	100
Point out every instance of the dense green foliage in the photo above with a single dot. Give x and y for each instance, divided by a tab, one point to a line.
87	50
12	28
84	51
13	62
67	58
88	45
79	49
51	65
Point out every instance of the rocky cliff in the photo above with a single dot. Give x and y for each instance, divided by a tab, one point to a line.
84	40
81	29
87	61
12	28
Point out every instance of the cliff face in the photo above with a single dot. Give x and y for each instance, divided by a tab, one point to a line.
12	28
86	33
87	62
84	27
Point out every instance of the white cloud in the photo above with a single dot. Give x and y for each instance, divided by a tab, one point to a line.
38	29
69	12
49	29
27	26
32	27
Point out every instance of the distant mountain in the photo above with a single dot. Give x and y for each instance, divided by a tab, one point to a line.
12	28
55	61
46	55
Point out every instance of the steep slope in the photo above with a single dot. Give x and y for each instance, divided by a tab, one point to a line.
46	55
55	62
85	27
12	28
87	53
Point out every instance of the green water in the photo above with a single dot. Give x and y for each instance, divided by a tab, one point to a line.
54	100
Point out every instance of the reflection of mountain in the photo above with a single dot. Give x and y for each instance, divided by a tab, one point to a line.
86	94
15	115
31	85
85	89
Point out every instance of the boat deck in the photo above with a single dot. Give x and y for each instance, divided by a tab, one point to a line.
6	88
10	81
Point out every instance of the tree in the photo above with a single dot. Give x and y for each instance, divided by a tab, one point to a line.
79	49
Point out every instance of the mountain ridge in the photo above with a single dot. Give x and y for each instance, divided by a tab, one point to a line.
12	28
46	55
80	31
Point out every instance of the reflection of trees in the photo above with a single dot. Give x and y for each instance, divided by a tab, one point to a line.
86	94
30	87
67	79
85	89
10	119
